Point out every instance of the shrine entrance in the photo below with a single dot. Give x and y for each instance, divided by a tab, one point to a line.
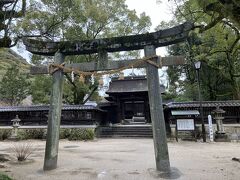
149	42
130	97
134	109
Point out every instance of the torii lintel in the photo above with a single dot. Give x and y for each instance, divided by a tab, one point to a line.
125	43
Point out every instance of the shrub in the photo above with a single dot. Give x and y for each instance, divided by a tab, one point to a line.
5	133
22	150
31	134
4	177
64	133
82	134
70	134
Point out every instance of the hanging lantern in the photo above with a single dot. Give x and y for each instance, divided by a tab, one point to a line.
100	81
81	78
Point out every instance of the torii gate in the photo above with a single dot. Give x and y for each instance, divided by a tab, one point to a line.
148	42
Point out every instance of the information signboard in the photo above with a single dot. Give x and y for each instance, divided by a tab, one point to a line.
185	124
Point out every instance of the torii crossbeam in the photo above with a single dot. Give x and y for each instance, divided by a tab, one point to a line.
149	42
115	44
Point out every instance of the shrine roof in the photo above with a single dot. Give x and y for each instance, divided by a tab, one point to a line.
130	85
235	103
46	108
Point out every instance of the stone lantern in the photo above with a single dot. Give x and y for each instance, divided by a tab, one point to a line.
220	134
15	126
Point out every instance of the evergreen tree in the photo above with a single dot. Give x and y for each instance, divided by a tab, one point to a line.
216	45
14	86
64	20
10	11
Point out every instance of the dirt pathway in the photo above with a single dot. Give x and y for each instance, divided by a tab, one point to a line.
128	159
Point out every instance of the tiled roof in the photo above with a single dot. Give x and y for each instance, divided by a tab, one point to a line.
182	113
128	85
204	104
45	108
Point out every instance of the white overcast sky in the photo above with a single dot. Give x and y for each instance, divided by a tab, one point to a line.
156	11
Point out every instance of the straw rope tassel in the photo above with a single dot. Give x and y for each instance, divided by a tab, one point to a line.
54	67
81	78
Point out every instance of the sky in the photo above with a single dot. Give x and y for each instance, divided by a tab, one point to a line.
156	11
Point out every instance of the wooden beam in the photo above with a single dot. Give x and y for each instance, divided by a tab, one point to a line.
111	65
125	43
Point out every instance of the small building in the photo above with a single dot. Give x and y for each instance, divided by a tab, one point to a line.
232	109
128	100
38	114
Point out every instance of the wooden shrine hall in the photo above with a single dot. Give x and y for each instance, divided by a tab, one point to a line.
128	101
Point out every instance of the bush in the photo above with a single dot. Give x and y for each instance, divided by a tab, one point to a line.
70	134
4	177
31	134
64	133
5	133
22	150
81	134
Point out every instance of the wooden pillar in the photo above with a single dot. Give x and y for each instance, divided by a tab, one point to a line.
146	109
118	110
54	117
122	109
157	117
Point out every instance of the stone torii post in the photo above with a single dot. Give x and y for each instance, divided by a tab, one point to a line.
149	42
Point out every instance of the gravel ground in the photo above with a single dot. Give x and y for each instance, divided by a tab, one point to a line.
126	159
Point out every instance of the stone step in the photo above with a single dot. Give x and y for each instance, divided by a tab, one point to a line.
125	131
125	136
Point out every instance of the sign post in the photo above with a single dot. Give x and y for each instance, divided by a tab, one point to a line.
210	126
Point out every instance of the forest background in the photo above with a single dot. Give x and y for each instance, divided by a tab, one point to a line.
214	41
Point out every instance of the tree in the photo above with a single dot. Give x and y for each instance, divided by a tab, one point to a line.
221	9
217	47
41	89
208	13
81	19
14	86
9	10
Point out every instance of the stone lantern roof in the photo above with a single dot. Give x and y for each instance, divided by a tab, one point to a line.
218	110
